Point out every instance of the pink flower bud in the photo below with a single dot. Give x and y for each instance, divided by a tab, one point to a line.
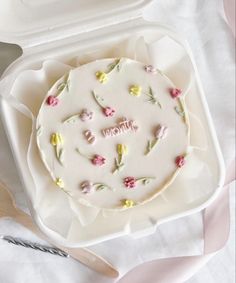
130	182
108	111
161	132
52	100
98	160
86	115
87	187
175	92
180	161
150	69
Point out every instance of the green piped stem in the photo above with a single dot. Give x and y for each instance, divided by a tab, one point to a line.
118	163
151	145
71	118
83	155
96	99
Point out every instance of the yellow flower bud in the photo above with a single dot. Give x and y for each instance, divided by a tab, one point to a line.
135	90
122	149
56	139
102	77
60	183
128	203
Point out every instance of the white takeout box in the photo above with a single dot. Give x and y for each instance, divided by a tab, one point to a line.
59	29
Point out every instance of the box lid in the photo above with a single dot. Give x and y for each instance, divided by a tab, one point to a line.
33	22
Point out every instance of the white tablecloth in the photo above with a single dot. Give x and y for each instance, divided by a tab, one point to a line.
202	22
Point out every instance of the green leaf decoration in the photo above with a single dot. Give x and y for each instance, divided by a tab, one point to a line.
67	85
39	131
61	87
64	85
179	111
152	98
146	181
71	119
61	156
101	186
115	65
151	145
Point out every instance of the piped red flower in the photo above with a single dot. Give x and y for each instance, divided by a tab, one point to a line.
180	161
108	111
175	92
130	182
52	100
98	160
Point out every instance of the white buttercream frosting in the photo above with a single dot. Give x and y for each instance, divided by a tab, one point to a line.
139	103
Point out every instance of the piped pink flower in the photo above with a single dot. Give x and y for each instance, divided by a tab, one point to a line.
98	160
180	161
52	100
150	69
87	187
175	92
130	182
161	132
86	115
108	111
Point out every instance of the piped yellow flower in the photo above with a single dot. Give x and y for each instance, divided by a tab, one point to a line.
56	139
128	203
122	149
135	90
60	183
102	77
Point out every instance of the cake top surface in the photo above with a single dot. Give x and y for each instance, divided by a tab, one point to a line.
113	133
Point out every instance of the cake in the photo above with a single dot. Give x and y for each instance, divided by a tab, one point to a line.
113	133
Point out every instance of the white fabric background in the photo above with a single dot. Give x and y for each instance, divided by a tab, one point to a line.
202	23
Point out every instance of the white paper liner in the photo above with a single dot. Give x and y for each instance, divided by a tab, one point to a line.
58	211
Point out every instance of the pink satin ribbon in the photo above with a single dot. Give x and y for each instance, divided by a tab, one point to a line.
216	221
229	6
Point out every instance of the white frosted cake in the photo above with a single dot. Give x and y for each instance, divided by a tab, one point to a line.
113	133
